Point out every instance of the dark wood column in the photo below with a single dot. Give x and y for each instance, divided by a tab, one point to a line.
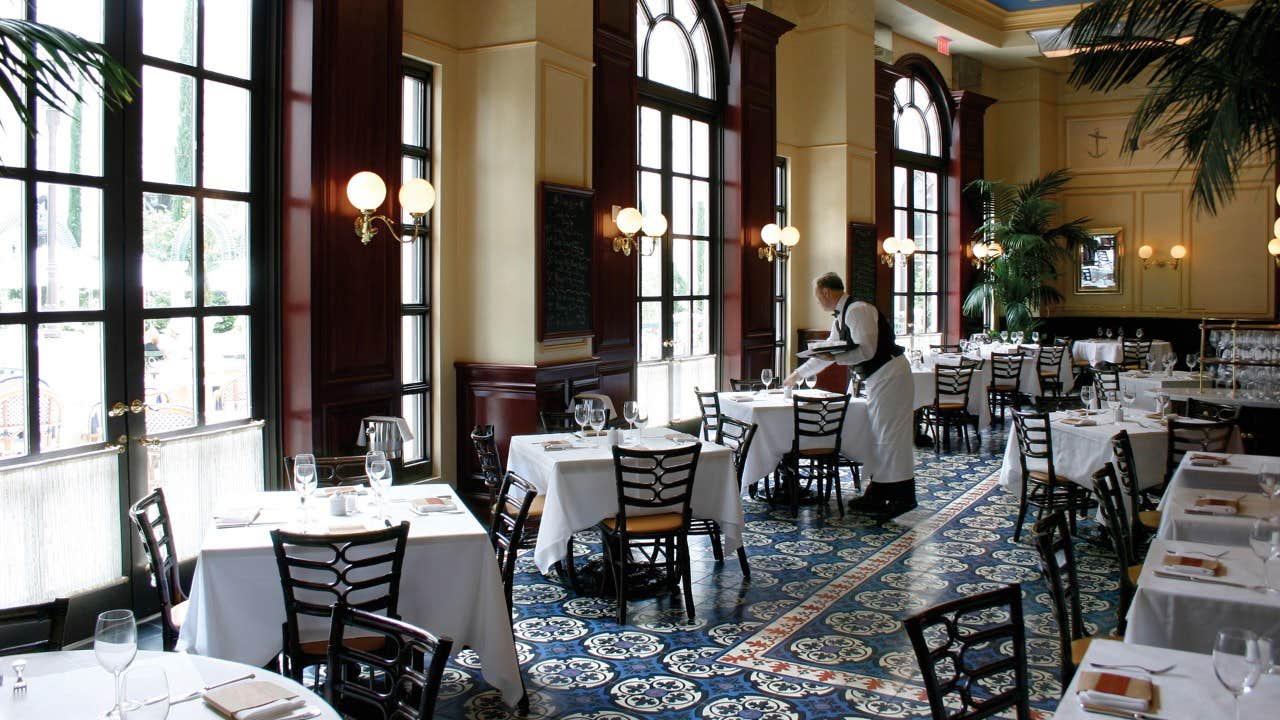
965	212
886	76
341	320
750	145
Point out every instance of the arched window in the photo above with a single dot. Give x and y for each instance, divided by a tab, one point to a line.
677	169
919	213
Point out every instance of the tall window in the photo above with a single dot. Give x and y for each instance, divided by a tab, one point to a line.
415	264
919	152
781	199
677	166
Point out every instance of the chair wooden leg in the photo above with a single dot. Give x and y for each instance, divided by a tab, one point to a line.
839	493
742	562
571	569
717	551
620	578
687	574
1022	513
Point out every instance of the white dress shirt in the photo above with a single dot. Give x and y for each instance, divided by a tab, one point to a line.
862	319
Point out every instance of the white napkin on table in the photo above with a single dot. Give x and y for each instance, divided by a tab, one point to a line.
276	710
238	517
1108	700
1213	505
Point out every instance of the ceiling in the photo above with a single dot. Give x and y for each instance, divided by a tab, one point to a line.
1014	5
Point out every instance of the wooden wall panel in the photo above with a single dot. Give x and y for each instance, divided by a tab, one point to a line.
886	76
964	211
504	396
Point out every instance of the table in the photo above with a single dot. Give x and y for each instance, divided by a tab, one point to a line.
1178	524
1239	474
1078	452
1029	383
1190	691
1098	351
923	378
73	685
580	488
1221	396
1186	614
775	429
450	586
1144	385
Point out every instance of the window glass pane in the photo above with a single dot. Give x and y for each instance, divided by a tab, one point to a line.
70	143
669	58
685	12
69	259
82	17
918	319
642	32
650	192
902	91
931	267
411	408
701	267
413	105
226	136
411	348
650	330
650	137
70	384
679	144
701	208
226	369
226	252
651	274
13	257
13	141
918	230
168	127
702	149
919	189
702	52
920	276
168	265
931	232
169	29
935	134
411	273
680	224
899	186
681	327
228	34
900	314
410	168
168	348
681	266
910	131
900	224
701	327
654	394
899	275
13	391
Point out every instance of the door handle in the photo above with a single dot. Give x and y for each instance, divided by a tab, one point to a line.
136	407
668	343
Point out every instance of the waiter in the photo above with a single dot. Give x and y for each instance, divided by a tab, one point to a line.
890	394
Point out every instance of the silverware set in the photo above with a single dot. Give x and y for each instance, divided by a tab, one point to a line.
20	683
1140	668
194	694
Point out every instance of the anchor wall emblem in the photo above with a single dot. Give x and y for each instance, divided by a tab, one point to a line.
1098	137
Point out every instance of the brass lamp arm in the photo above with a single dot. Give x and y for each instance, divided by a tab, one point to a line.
366	229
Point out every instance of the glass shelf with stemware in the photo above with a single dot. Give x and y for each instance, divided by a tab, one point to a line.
1236	349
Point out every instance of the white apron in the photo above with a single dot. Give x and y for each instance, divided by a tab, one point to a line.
890	396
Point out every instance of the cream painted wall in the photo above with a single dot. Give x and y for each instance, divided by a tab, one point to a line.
512	108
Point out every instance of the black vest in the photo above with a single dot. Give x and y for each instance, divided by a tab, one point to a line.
886	348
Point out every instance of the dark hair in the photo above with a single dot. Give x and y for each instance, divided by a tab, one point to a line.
831	281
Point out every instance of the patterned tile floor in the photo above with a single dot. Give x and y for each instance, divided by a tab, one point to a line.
816	633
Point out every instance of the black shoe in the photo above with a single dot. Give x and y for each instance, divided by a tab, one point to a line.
901	497
872	501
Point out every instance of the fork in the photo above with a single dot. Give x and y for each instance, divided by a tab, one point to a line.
1215	556
1147	670
20	685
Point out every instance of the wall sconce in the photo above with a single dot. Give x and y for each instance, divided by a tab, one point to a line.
777	242
1273	247
366	191
894	249
984	253
1176	253
629	221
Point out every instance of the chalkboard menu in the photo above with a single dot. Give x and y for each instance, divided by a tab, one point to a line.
564	263
861	283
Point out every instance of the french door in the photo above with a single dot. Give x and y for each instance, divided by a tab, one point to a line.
675	308
131	330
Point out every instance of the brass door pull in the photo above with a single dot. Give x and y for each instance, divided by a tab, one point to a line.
120	408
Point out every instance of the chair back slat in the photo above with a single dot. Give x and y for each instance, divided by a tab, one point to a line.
341	470
1110	495
967	648
818	420
1006	369
1127	473
1135	353
1058	565
737	436
945	348
150	519
1049	361
506	528
745	385
400	680
655	480
951	384
33	628
487	458
1195	436
1106	382
1035	437
709	405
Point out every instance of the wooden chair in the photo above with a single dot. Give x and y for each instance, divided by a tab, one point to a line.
507	526
318	571
950	408
397	676
1058	564
550	421
1135	353
1106	382
1042	488
815	457
709	404
1144	520
150	518
648	481
43	622
966	648
1049	369
1186	436
1081	370
1110	495
488	461
737	436
944	348
335	471
1006	383
741	385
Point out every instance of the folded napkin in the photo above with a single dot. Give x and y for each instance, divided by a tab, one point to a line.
1217	505
740	397
345	528
339	490
1190	566
239	517
1204	460
254	700
1110	690
1079	421
426	505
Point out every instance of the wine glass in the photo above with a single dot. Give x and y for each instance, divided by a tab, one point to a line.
812	380
1110	333
582	416
1035	337
1112	398
1099	332
1004	336
631	411
597	419
1264	539
1169	361
1086	397
1162	404
1193	359
1236	661
1128	397
304	480
115	644
1140	333
1269	479
766	377
146	693
378	470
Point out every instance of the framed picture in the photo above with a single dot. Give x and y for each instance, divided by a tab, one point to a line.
1098	270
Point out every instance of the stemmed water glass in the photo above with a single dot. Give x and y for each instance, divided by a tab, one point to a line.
1035	337
146	693
1099	332
1193	359
810	381
1128	398
597	419
1086	397
766	377
1110	333
630	412
1236	661
304	481
1112	399
582	416
378	470
115	644
1169	361
1269	479
1140	333
1264	539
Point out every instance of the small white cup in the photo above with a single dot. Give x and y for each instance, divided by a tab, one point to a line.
615	437
338	504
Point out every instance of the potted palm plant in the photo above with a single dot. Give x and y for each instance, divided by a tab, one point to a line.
1020	219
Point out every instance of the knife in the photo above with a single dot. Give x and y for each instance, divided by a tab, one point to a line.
1207	581
1128	714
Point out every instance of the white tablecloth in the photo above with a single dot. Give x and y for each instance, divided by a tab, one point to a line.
1145	385
977	404
73	685
1097	352
1239	474
1029	383
581	489
1190	691
1078	452
773	416
450	586
1186	615
1178	524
